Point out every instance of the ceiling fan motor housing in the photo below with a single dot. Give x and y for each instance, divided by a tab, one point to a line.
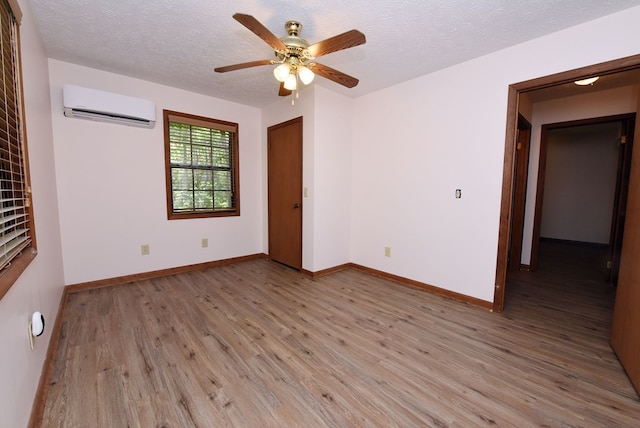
296	45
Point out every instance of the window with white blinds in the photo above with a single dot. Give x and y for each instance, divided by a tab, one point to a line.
201	166
16	235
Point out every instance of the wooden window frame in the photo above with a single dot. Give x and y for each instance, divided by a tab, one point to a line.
174	116
12	271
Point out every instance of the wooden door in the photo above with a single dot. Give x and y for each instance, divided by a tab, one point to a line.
285	192
625	329
521	175
620	200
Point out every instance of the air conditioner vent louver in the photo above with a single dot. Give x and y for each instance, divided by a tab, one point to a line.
92	104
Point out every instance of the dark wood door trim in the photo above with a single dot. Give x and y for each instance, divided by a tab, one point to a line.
621	196
537	216
506	205
519	192
625	325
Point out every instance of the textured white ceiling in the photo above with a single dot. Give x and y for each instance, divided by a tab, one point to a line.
179	43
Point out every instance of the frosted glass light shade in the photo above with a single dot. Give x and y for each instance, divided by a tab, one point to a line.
306	75
291	82
585	82
281	72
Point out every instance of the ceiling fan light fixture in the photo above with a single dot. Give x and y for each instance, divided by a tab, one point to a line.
291	82
292	53
282	71
585	82
306	75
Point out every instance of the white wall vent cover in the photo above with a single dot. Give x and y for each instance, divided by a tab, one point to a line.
92	104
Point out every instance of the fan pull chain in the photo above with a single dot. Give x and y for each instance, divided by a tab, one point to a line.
297	95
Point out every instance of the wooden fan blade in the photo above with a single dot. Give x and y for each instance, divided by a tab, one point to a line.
337	43
283	92
243	65
260	30
333	74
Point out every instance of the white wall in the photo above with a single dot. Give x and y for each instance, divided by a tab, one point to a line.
580	183
111	184
598	104
332	179
40	285
327	135
417	142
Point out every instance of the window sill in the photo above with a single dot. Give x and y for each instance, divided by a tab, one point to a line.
182	216
18	265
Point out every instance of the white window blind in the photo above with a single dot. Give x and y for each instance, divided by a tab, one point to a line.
15	234
201	166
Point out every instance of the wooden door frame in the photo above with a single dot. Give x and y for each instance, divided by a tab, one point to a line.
519	193
621	197
542	165
506	204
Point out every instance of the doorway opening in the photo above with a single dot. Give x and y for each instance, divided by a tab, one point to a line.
583	180
563	83
624	330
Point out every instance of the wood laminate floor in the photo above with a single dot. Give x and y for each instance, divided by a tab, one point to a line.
256	344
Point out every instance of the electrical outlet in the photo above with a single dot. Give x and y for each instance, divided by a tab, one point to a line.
387	251
144	249
205	242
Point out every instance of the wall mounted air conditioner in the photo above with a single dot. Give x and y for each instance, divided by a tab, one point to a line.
86	103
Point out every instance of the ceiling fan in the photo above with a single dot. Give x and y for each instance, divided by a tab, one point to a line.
296	57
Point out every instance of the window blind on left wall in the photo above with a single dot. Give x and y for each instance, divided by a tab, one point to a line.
15	233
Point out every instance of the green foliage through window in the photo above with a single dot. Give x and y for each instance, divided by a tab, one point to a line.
201	165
